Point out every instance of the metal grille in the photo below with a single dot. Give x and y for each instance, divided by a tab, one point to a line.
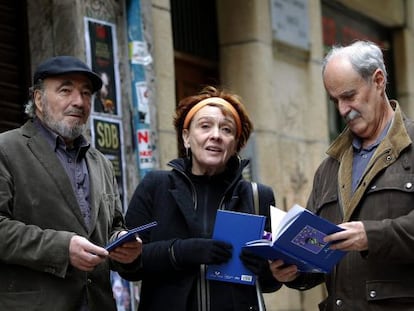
195	28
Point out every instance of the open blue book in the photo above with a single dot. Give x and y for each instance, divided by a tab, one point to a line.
297	239
237	229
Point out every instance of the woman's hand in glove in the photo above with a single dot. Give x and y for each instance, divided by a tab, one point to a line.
196	251
258	265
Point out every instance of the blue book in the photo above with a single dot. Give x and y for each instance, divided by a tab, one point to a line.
235	228
297	239
130	236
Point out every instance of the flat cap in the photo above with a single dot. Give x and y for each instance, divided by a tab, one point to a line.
61	65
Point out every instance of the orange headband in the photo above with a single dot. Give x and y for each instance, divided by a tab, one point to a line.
218	101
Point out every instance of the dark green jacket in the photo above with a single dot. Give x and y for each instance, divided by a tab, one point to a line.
39	214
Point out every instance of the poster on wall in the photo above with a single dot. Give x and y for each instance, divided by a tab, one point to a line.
101	51
123	292
107	138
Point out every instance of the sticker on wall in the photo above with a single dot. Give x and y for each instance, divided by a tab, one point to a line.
142	92
145	149
138	53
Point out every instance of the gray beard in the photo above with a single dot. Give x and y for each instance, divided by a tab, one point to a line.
61	129
69	133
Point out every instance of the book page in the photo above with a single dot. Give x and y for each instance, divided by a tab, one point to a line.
276	217
289	217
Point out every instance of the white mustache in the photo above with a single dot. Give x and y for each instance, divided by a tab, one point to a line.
352	115
75	111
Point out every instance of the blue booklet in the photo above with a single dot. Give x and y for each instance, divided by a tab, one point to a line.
130	236
235	228
297	239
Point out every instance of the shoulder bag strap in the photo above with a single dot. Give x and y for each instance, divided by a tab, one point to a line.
255	197
260	299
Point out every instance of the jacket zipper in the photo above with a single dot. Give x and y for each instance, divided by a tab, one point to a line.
203	292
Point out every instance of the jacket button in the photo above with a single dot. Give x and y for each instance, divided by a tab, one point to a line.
408	185
339	303
373	294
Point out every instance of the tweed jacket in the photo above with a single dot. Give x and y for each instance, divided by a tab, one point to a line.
381	278
169	198
39	214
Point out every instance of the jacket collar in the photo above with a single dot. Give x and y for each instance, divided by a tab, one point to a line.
235	165
43	151
397	138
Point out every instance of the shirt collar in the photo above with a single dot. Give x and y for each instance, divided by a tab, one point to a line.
357	142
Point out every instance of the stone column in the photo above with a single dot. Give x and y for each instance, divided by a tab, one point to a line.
165	80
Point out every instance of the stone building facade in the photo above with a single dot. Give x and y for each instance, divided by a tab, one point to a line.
280	81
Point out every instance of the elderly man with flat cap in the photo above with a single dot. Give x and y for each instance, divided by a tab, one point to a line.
59	201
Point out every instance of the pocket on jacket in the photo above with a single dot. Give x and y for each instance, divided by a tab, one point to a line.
394	193
328	208
389	290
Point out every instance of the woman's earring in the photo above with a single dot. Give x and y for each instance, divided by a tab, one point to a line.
187	151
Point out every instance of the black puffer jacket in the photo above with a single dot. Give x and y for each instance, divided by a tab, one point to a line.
169	197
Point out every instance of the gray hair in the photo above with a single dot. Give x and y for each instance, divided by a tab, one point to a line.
30	108
364	56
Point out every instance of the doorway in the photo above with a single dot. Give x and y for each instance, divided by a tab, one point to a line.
196	52
14	63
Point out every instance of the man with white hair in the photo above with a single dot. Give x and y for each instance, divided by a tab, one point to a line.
366	184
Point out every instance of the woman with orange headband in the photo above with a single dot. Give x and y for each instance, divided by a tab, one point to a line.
212	127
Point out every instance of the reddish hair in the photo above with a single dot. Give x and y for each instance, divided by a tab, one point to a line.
185	105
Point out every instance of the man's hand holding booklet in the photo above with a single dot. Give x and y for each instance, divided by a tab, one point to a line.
297	239
130	236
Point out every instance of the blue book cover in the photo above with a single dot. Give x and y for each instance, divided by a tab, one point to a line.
235	228
130	236
297	239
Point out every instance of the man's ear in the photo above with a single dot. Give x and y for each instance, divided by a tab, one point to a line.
37	97
378	78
